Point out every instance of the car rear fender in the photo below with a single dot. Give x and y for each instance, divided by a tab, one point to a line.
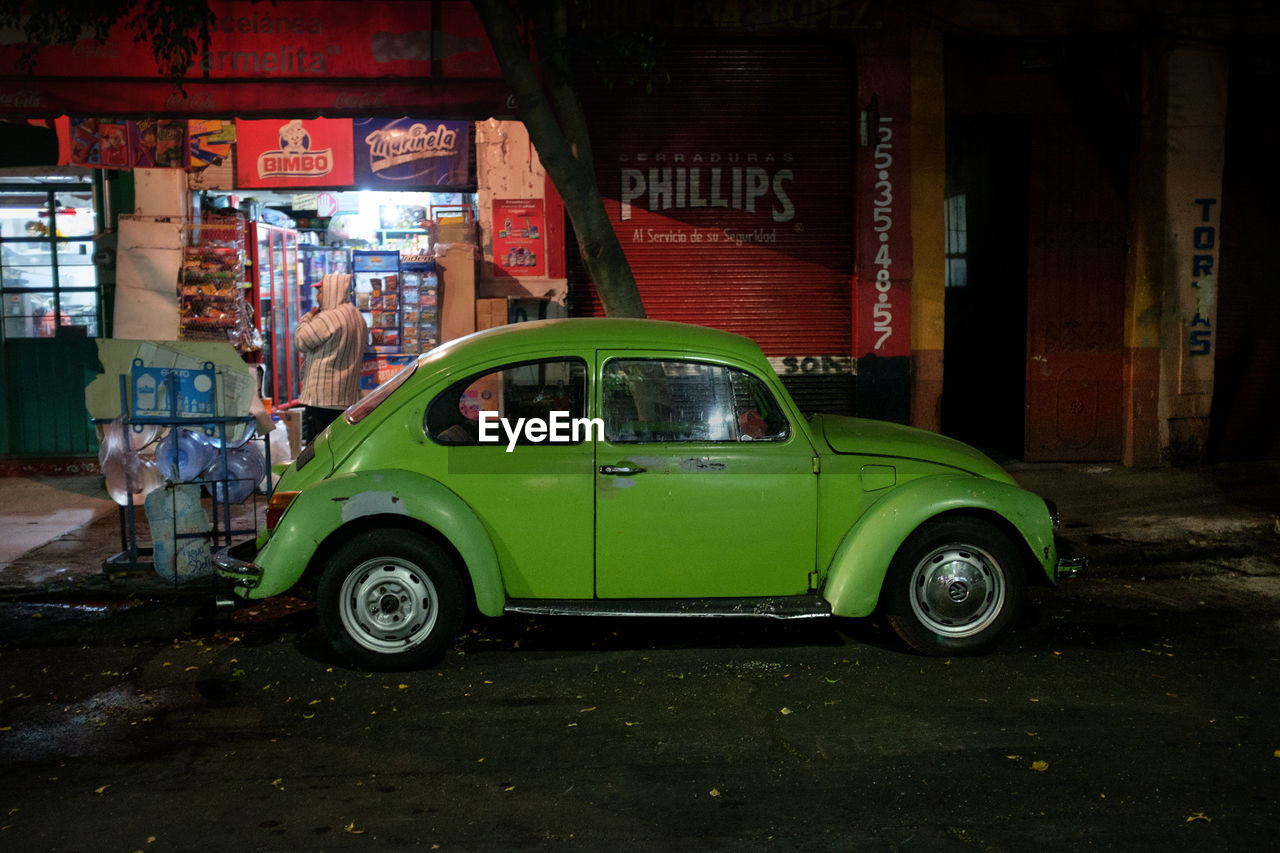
858	568
349	501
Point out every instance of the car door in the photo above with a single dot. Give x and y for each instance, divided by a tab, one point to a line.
703	487
533	494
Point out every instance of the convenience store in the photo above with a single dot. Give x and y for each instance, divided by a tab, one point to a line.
247	210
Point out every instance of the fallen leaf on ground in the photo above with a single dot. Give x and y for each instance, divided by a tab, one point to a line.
1039	766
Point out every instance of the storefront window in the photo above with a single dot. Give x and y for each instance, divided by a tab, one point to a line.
47	278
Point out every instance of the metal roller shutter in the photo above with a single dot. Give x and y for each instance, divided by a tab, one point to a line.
731	190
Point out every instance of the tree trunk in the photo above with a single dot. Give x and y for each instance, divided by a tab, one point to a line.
551	111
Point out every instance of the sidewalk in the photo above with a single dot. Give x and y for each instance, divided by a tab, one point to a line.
1196	517
56	532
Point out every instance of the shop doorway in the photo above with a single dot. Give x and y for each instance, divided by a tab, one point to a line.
986	289
49	313
1077	232
1036	230
1242	424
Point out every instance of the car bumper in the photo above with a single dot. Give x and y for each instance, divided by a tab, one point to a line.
1071	560
235	563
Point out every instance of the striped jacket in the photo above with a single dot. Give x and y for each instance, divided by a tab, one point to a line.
332	342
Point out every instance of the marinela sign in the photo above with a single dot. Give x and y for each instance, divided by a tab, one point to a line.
412	152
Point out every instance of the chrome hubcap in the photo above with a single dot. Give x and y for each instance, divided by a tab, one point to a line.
957	590
388	604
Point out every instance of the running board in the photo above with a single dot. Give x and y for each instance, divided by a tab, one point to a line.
778	607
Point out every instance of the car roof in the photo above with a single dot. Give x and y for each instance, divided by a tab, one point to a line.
602	333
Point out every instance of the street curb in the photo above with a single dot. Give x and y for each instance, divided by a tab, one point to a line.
110	589
1125	558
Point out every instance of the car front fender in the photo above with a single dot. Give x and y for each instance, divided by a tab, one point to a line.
858	568
322	510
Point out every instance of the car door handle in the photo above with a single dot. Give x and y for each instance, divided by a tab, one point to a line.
621	470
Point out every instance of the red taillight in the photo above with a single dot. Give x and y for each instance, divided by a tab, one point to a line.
277	505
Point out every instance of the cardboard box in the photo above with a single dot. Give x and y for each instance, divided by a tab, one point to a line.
456	265
292	419
490	312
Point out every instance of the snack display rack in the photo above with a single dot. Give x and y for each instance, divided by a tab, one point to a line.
419	304
376	290
212	301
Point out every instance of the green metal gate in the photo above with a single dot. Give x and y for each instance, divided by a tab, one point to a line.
44	409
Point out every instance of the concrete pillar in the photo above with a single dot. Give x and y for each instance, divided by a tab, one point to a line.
928	232
1143	278
1171	305
507	167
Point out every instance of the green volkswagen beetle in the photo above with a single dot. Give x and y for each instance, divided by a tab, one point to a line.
615	467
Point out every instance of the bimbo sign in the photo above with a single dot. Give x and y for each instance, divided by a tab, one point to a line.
294	152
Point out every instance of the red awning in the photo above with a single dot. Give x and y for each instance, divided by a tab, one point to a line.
305	58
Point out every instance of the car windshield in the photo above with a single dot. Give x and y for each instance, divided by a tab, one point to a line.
360	410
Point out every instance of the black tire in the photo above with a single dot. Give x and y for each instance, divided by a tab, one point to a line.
390	600
955	587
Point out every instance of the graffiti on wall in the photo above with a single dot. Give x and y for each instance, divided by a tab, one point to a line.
1204	244
884	264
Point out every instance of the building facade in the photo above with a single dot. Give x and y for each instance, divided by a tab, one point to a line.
1037	229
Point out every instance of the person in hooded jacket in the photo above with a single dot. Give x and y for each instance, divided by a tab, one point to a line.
331	337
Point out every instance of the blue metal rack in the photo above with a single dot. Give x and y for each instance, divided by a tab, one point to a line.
179	398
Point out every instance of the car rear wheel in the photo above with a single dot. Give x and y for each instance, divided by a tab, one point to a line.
955	587
390	600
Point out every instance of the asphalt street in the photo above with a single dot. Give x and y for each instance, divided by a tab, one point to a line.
1134	714
1135	710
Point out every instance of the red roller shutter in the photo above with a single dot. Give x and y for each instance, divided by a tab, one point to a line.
731	191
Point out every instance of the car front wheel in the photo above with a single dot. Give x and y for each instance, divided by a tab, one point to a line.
390	600
955	587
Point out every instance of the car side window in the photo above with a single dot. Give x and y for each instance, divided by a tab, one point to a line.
527	390
653	400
